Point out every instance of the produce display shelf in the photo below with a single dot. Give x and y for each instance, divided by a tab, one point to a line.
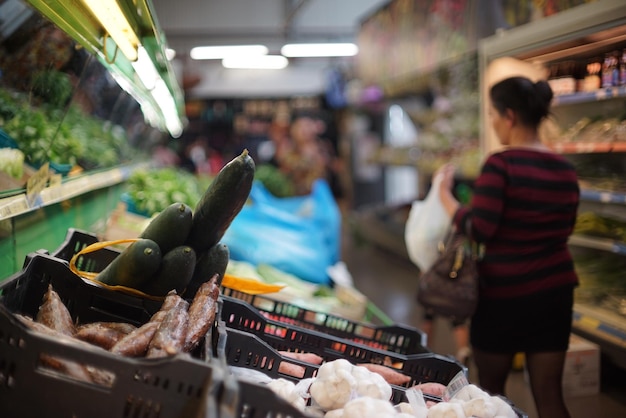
602	244
602	196
184	385
588	147
607	325
170	387
244	349
394	337
71	187
397	338
240	315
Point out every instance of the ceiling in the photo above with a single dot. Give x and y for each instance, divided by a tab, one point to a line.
189	23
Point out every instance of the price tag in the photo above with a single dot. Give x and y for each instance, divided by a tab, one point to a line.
15	207
36	184
55	180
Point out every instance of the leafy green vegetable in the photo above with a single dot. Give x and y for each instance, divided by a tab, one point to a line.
275	181
12	162
154	190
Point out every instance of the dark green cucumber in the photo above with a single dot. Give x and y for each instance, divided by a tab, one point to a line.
176	269
213	261
170	227
134	266
221	202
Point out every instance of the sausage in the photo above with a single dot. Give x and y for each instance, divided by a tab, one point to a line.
135	344
103	334
171	300
54	314
202	312
169	338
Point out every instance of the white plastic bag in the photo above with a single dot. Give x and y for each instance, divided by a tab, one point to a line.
426	226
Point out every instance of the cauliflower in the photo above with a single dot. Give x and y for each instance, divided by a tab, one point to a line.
446	410
366	407
287	390
477	402
340	381
334	385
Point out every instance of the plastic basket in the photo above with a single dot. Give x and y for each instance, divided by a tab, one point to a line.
179	386
422	367
244	349
76	240
397	338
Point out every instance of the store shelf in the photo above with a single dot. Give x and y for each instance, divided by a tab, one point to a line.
20	204
590	96
605	324
591	195
588	147
602	244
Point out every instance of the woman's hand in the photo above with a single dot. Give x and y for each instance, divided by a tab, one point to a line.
446	182
446	173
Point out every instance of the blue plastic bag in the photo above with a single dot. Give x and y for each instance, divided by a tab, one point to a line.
299	235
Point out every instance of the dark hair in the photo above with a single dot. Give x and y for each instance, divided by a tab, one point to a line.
530	101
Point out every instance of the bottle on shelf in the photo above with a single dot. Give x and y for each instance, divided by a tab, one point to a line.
592	79
608	66
622	68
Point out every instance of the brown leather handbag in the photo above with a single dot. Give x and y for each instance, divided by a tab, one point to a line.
449	287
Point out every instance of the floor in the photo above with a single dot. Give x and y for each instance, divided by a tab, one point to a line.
389	281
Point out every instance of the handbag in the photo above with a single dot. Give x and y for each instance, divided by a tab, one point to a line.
450	286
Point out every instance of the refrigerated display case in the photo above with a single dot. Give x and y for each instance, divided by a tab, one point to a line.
588	126
79	112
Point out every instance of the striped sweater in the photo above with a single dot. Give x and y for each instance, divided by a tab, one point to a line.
523	210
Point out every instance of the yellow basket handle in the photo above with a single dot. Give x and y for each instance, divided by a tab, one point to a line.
92	276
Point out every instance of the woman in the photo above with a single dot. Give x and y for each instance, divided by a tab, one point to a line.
523	210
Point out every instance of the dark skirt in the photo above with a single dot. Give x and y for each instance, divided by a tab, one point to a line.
534	323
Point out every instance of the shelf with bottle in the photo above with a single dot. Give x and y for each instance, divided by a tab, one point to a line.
603	93
603	244
601	196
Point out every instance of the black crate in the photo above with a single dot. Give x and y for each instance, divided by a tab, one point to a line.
169	387
422	367
397	338
244	349
75	241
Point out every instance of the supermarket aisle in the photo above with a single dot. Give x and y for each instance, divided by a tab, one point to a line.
389	281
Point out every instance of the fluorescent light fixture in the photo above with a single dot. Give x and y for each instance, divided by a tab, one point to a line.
261	62
167	104
114	22
221	52
145	69
320	50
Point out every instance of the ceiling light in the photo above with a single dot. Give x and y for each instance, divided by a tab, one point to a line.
221	52
261	62
114	22
145	69
320	50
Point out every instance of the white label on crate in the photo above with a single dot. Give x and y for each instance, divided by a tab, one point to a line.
457	383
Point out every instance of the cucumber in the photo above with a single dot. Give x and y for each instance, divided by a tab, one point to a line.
221	202
213	261
176	269
170	227
133	266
